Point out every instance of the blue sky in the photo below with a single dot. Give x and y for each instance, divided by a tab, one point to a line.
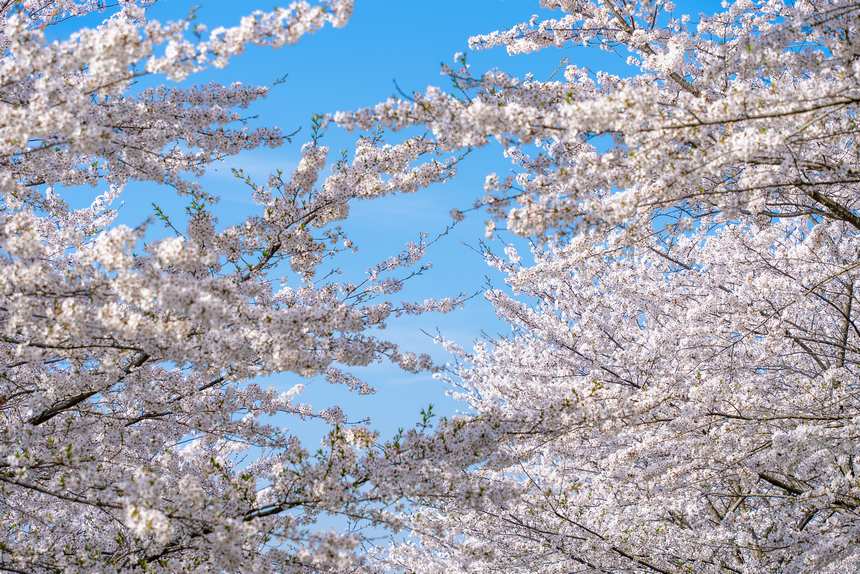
346	69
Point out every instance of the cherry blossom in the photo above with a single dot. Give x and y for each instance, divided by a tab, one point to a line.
678	392
135	435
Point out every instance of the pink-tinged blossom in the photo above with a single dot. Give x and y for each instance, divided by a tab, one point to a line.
133	435
678	391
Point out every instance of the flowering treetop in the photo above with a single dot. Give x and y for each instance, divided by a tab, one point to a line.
131	436
679	391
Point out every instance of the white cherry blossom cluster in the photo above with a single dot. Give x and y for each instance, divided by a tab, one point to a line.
679	390
720	129
685	404
133	434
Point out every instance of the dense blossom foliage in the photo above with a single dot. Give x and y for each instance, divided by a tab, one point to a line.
133	436
680	389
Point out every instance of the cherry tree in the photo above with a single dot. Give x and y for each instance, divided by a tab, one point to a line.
679	392
133	435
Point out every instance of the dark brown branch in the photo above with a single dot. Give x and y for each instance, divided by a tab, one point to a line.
70	402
